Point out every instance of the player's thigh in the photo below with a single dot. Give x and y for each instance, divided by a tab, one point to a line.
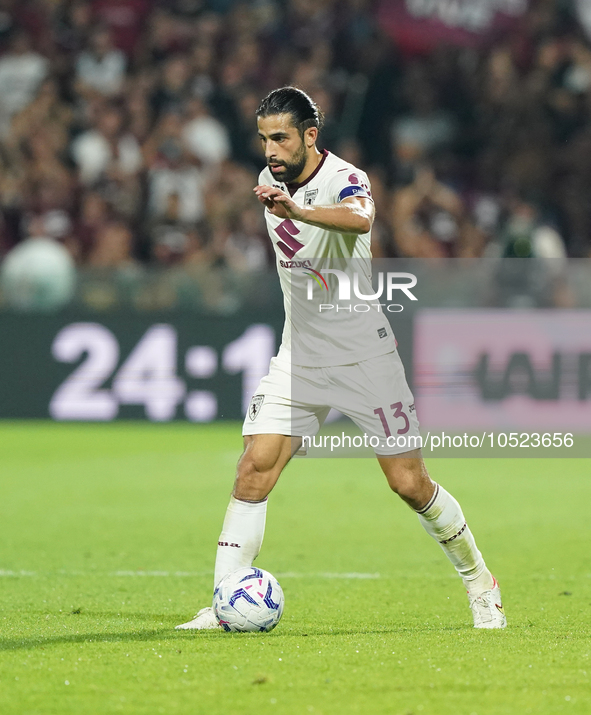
290	400
375	395
272	432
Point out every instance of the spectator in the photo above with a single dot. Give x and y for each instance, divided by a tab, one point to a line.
161	39
174	86
46	110
205	137
113	247
140	114
107	148
38	274
49	183
100	70
535	274
173	171
72	25
228	195
94	215
202	70
245	142
169	235
245	247
425	128
21	72
430	220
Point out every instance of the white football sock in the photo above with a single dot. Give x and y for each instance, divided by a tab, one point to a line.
443	519
241	537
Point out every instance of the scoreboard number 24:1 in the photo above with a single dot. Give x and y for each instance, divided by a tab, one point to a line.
148	376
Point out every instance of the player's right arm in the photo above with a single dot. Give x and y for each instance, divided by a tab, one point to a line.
353	215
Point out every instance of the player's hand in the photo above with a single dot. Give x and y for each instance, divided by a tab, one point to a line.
278	202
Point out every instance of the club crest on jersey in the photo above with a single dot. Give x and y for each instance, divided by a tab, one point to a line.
310	196
255	406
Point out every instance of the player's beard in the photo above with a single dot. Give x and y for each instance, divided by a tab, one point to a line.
293	168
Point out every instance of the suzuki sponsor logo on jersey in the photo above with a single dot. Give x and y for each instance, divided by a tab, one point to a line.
296	264
387	284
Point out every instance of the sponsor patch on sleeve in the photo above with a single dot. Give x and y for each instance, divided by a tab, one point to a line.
353	191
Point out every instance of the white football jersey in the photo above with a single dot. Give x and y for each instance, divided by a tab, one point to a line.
323	274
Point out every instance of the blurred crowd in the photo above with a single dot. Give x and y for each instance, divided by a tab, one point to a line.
128	135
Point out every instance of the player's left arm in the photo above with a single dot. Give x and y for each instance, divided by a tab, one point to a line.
354	214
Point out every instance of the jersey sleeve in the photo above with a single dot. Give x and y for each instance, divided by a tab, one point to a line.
350	182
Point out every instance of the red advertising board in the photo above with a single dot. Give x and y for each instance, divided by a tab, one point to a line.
499	369
420	25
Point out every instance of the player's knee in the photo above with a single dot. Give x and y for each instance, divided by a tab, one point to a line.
253	468
411	485
256	463
405	485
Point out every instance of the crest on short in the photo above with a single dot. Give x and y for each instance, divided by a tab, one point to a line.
255	406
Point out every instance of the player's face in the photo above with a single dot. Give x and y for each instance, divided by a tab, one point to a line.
284	148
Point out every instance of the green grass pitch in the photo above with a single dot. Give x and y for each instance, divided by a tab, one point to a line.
107	542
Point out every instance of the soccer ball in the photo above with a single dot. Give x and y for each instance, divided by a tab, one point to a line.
249	599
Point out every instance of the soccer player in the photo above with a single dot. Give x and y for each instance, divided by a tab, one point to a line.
319	212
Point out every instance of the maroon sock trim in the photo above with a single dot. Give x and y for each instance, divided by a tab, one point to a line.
430	502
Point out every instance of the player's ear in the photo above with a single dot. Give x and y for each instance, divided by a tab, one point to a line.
310	136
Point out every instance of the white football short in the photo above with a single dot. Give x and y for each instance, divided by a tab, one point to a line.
295	400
